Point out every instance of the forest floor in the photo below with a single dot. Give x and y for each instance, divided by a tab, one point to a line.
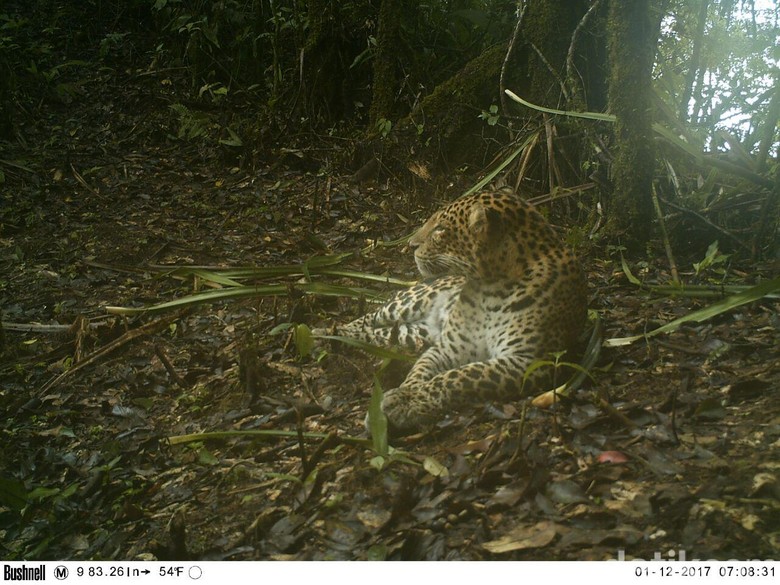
672	449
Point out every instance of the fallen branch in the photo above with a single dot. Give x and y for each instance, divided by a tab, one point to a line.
41	328
147	329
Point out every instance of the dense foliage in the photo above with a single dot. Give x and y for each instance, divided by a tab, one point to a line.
248	74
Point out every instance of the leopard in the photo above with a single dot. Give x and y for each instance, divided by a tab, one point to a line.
500	292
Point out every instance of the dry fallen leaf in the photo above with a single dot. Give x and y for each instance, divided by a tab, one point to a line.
524	537
545	400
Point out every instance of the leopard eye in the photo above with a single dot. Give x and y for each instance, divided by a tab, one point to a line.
438	231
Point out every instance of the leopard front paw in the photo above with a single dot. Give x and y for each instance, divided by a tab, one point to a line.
404	411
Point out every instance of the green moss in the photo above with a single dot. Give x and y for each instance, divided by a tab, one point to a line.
443	108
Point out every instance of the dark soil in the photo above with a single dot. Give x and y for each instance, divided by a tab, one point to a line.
671	449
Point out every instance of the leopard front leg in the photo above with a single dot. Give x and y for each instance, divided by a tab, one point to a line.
431	391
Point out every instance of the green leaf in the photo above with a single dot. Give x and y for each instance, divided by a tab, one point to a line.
281	328
259	434
304	342
13	494
237	292
377	462
42	493
748	296
435	468
711	258
627	271
377	421
377	552
70	490
234	140
587	115
535	365
494	173
668	135
213	276
380	352
206	458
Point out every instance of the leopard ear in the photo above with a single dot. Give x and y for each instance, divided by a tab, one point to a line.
484	221
478	221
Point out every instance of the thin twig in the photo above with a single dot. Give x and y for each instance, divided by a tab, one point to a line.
665	236
552	71
300	417
615	413
675	391
509	50
570	68
159	350
83	182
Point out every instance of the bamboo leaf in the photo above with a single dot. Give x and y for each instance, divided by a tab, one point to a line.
377	421
315	264
747	296
587	115
702	291
366	276
490	176
211	296
374	350
662	131
215	277
627	271
259	434
435	468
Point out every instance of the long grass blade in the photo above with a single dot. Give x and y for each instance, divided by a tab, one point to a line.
260	434
699	291
748	296
210	296
380	352
492	175
587	115
669	135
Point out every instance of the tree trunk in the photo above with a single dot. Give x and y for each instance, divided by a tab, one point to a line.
548	29
694	62
384	84
560	66
325	62
631	53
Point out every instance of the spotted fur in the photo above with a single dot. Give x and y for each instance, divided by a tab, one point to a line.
412	319
506	293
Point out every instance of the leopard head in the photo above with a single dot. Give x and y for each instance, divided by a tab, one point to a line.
493	234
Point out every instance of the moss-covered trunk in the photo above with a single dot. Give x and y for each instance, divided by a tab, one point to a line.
327	54
384	85
547	31
631	52
560	65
